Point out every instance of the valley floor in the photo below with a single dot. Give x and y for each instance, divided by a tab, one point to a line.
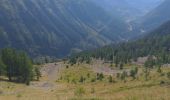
60	81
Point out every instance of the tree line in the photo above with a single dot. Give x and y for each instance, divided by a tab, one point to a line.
17	66
155	45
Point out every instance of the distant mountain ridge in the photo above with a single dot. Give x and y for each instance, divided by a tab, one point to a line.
61	27
121	8
144	5
154	44
156	17
54	27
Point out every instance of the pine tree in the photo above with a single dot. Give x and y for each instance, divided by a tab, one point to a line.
133	72
121	66
2	68
18	66
26	68
9	57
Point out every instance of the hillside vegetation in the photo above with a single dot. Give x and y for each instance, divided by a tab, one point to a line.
156	45
80	82
102	63
17	66
57	27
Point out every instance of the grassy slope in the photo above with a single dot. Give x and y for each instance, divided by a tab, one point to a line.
99	90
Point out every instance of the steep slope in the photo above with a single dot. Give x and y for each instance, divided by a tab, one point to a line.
144	5
128	9
120	8
53	27
157	16
155	43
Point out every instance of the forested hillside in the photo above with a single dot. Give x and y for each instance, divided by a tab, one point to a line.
61	27
84	50
57	27
155	44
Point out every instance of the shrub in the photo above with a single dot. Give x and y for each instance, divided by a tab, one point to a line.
118	75
162	82
93	80
82	79
79	91
92	90
123	76
110	79
133	72
121	66
100	76
74	81
37	73
19	95
168	75
67	67
159	70
1	92
88	75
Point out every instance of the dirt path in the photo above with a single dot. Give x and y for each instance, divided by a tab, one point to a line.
51	71
50	74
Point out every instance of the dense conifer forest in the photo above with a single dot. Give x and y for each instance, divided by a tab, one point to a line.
155	45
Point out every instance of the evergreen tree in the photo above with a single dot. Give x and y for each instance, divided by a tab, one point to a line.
2	68
100	76
133	72
37	73
121	66
9	57
24	68
18	66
